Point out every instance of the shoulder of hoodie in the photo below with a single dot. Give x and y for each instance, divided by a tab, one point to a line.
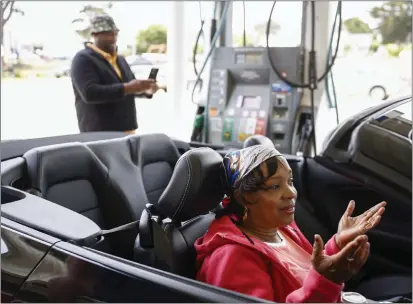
231	238
237	251
233	243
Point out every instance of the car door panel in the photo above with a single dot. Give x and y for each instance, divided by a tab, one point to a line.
330	193
20	253
13	172
72	274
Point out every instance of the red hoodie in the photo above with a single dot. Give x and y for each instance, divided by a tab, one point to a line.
227	259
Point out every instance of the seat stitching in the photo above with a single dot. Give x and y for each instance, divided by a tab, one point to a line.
182	202
186	190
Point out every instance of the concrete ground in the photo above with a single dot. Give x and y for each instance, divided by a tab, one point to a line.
45	107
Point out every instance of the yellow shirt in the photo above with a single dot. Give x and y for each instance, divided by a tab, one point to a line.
110	58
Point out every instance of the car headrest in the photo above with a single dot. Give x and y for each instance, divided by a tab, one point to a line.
150	148
258	140
57	163
197	186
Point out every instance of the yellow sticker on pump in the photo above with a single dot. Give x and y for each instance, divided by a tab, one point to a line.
213	112
241	136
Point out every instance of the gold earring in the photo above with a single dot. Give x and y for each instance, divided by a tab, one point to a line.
244	218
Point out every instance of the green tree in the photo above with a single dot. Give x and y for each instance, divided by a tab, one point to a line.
394	50
357	26
395	21
7	11
87	13
375	45
154	34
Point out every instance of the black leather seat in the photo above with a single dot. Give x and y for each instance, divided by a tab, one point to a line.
116	155
72	176
170	227
140	166
156	155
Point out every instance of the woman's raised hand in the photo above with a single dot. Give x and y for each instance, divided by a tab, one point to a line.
351	227
341	266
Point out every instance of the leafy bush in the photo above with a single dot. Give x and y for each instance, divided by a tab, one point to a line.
394	50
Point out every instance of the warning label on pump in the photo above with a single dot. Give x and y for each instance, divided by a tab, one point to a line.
227	128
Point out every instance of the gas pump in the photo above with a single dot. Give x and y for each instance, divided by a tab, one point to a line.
261	90
246	97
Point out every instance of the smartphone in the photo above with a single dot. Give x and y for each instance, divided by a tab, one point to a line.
153	73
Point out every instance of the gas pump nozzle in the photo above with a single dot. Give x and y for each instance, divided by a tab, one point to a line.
305	134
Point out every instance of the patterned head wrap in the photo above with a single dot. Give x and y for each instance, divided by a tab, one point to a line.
240	163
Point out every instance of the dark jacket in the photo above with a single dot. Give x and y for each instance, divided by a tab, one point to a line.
101	104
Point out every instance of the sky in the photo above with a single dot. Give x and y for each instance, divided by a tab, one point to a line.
50	21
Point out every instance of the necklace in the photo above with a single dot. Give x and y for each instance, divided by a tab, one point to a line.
262	235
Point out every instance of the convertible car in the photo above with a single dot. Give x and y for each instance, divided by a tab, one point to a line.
104	217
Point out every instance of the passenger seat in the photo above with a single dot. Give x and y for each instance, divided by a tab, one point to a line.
72	176
169	228
116	155
156	155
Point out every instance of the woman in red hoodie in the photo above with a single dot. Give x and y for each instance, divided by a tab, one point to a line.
254	246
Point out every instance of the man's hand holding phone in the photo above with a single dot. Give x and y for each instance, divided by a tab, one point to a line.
139	86
154	87
148	87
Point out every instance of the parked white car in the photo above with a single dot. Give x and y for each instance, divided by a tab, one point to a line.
141	68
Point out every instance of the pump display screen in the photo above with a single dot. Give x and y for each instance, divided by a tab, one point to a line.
248	58
251	102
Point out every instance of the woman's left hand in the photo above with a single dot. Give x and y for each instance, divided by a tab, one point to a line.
351	227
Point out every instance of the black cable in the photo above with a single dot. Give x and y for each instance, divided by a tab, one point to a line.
278	73
301	66
313	75
198	37
195	51
313	80
244	38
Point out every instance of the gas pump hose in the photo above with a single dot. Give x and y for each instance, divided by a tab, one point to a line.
326	80
213	43
314	80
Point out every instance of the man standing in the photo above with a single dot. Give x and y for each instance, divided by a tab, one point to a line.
104	85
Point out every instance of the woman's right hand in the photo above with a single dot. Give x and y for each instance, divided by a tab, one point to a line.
341	266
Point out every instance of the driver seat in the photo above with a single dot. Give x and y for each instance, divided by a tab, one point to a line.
169	228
